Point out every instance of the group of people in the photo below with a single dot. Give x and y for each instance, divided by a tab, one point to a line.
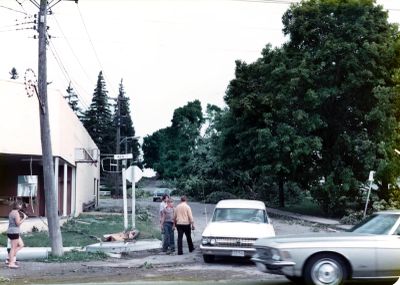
179	217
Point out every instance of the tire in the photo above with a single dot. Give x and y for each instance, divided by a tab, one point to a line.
296	279
325	269
208	258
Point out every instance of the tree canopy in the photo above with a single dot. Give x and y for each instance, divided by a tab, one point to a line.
315	115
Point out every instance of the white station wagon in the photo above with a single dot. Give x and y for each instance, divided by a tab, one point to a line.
235	226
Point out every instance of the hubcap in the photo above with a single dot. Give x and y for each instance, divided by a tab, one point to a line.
326	272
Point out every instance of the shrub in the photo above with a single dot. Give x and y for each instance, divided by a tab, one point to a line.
352	217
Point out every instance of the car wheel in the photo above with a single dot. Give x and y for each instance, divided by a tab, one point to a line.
296	279
208	258
325	269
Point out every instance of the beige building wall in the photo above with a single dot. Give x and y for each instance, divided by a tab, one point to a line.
20	134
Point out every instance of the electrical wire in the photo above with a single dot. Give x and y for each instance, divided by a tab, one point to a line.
72	50
64	71
94	50
14	10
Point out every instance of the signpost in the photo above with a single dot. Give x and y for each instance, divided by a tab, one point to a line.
123	156
132	174
370	179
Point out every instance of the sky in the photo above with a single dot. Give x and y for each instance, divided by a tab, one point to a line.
167	52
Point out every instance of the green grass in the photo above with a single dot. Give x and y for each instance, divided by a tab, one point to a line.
73	256
87	229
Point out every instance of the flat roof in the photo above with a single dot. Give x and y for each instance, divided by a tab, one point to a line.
240	203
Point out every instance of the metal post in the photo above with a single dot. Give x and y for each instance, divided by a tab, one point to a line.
371	179
124	198
133	197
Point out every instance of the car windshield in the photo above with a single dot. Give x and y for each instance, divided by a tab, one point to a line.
239	215
378	224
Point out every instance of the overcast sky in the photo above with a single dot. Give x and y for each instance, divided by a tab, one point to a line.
167	52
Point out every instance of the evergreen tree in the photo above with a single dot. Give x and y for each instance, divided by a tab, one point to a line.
124	121
14	73
73	100
98	118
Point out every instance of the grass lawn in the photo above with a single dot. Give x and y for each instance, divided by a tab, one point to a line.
87	229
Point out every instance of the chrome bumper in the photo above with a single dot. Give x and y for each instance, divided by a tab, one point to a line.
280	267
227	251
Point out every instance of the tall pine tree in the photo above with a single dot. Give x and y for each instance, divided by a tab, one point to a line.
125	123
73	100
98	118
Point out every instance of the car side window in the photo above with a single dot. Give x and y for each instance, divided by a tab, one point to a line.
397	231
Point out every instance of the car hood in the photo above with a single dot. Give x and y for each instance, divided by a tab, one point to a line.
238	230
318	240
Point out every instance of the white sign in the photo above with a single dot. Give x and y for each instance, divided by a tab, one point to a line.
123	156
138	173
371	176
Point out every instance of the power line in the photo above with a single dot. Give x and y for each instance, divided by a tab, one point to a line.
64	70
14	10
72	50
17	24
94	50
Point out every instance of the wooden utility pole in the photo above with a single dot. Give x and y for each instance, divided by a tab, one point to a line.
51	198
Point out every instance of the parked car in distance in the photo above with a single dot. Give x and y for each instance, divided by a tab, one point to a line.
371	250
157	194
235	226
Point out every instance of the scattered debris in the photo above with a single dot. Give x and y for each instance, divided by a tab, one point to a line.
122	236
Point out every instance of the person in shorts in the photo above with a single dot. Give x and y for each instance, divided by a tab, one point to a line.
15	218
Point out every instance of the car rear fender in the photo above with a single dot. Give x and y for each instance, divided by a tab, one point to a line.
343	258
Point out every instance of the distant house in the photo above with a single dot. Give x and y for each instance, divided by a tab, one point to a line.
76	156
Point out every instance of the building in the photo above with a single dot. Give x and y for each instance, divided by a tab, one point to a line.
76	156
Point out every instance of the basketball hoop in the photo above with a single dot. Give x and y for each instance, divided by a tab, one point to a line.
110	165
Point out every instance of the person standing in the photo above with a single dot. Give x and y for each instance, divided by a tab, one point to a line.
163	204
184	222
168	227
15	219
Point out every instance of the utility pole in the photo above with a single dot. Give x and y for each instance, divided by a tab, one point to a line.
118	148
47	153
51	197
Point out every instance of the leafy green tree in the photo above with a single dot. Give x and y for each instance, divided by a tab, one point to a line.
269	139
169	150
353	52
98	118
